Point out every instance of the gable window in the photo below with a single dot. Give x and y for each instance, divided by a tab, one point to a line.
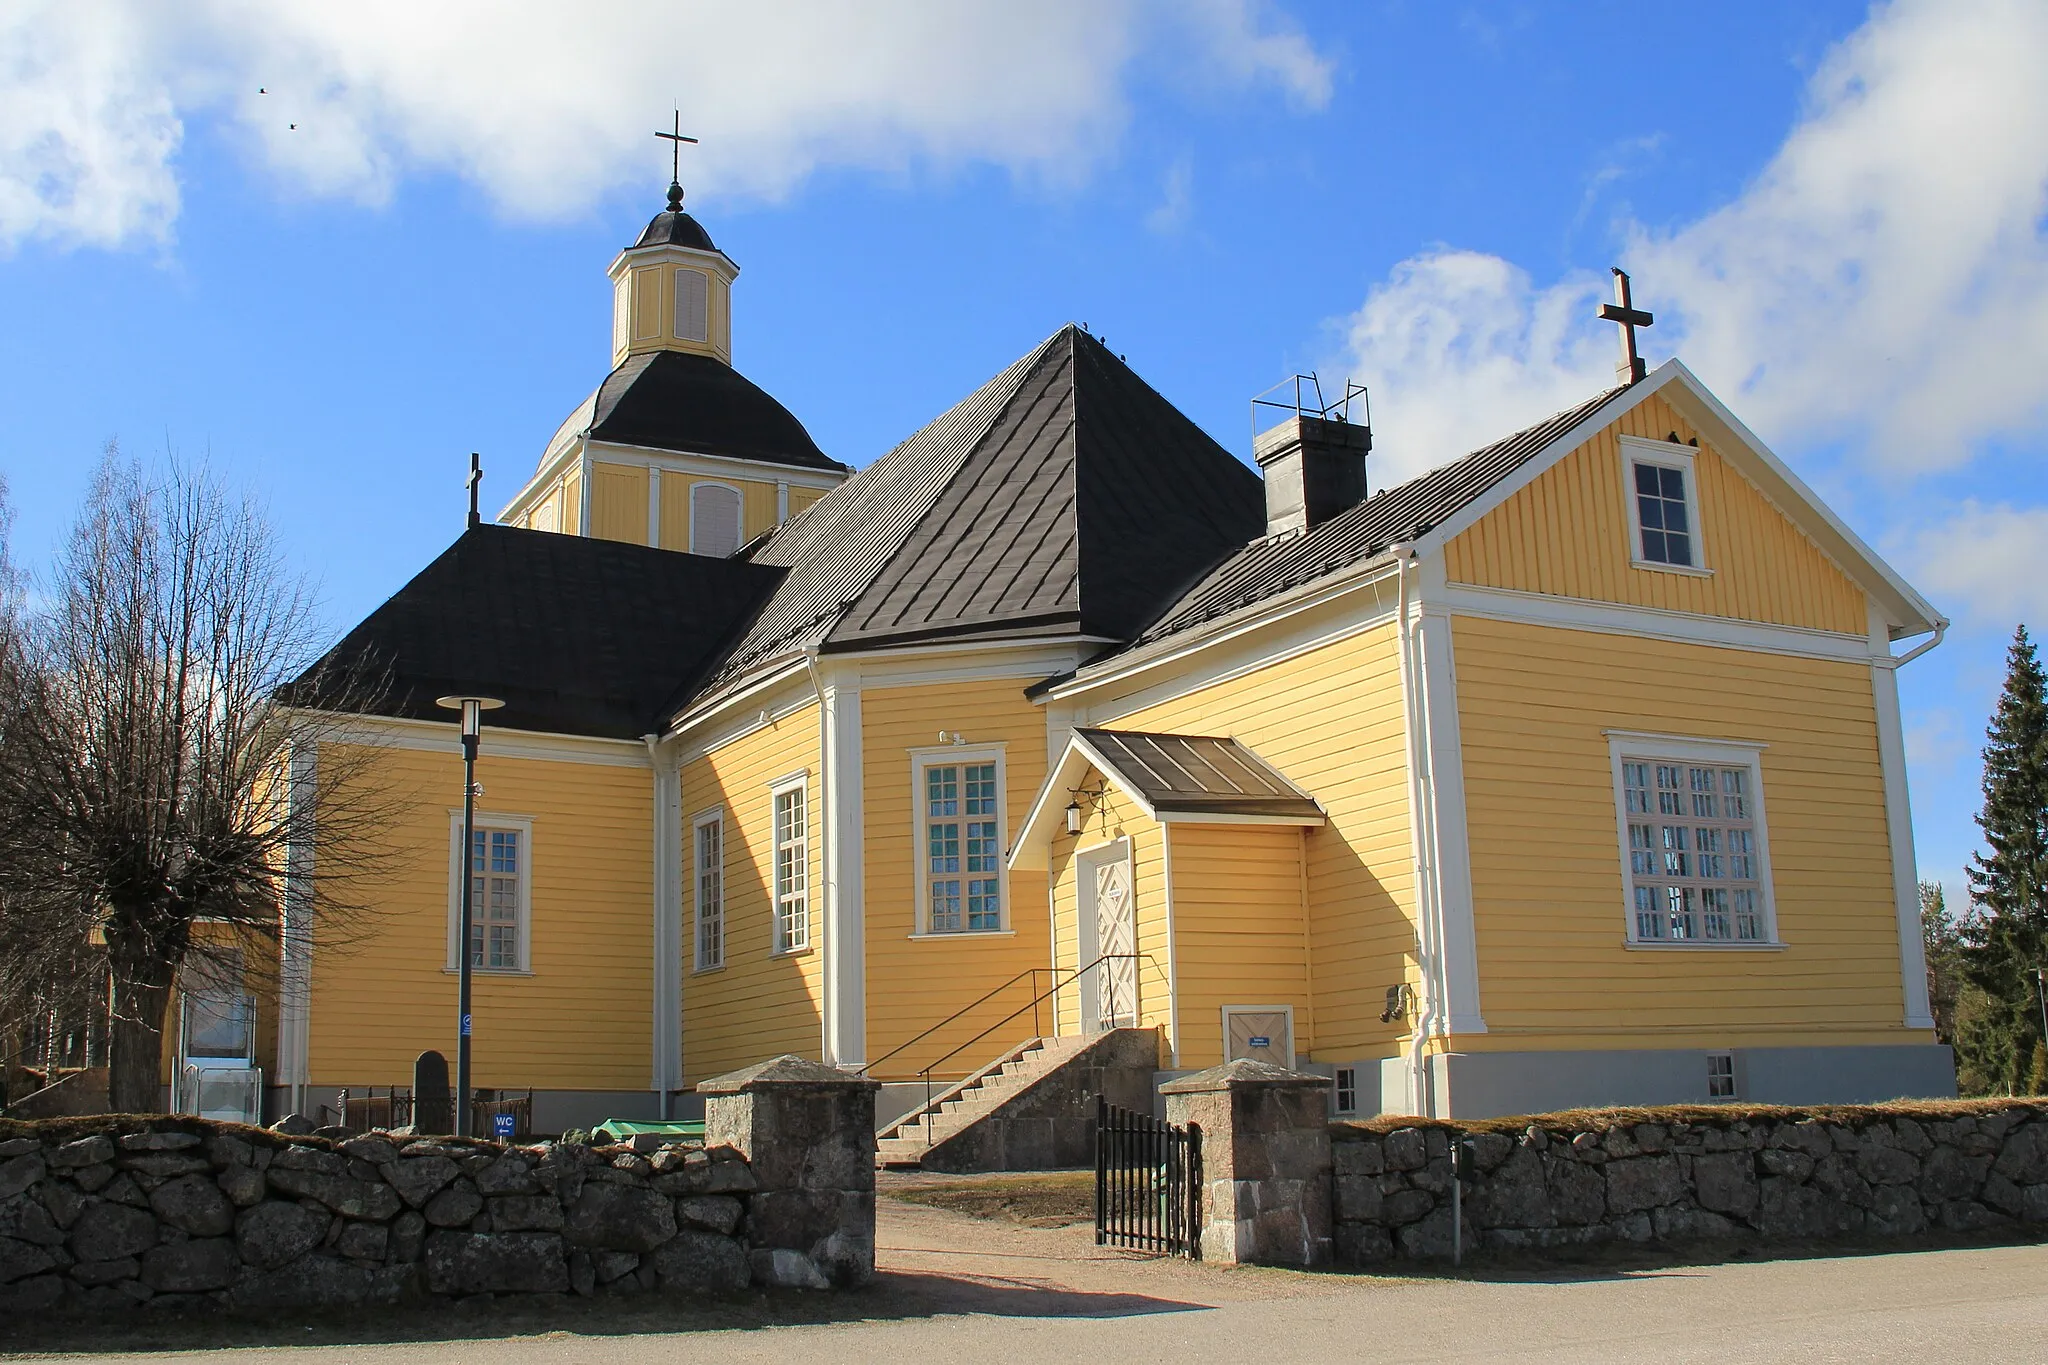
959	799
1663	505
792	867
1693	843
709	862
714	520
500	880
692	317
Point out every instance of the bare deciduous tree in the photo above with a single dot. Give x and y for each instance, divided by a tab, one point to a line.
150	805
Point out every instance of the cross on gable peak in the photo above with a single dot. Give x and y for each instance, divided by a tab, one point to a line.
1624	313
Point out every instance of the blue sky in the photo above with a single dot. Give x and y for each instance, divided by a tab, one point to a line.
1835	210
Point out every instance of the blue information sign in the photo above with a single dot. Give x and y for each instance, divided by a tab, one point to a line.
502	1127
1259	1040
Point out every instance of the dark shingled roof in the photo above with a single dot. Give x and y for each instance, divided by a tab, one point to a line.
678	400
576	635
1407	510
1065	496
1199	774
673	227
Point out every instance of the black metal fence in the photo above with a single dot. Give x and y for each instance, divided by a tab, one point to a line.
1148	1182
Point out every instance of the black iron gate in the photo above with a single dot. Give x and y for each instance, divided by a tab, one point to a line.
1148	1182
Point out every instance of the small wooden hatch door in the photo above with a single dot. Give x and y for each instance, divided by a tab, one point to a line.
1262	1032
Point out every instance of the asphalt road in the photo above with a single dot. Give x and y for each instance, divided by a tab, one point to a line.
959	1289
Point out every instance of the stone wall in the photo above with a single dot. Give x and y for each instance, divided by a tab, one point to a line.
183	1211
1692	1176
120	1211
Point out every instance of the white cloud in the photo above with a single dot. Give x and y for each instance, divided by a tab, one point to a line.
1884	280
545	105
1990	562
1460	347
86	131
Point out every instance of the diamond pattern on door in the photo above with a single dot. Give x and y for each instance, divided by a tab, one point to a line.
1116	938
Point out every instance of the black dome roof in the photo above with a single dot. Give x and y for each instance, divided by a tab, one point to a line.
678	400
673	227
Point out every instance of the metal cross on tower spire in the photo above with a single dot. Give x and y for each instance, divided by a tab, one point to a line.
1624	312
676	139
476	478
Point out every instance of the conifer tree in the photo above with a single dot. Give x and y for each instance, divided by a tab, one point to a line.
2009	883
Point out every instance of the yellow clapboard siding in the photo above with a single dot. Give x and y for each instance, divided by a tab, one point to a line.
382	992
800	498
913	984
1567	534
1360	866
760	1004
1546	865
618	502
758	503
1238	931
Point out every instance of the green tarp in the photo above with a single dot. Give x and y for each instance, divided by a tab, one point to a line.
624	1130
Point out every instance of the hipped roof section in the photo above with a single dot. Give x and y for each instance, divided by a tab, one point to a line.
1065	497
574	634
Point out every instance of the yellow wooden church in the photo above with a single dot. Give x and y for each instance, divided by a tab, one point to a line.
1568	773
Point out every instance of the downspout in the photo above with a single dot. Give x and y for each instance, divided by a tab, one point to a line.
1422	835
667	947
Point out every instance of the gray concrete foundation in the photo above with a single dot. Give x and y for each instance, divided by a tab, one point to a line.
1470	1085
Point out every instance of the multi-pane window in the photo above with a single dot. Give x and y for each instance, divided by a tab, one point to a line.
1663	515
962	848
1347	1090
1720	1075
792	871
494	882
1695	869
710	883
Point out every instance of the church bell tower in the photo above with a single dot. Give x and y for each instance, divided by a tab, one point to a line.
672	289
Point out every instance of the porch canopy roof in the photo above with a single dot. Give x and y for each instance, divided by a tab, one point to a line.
1210	778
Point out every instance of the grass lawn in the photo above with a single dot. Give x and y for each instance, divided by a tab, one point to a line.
1033	1199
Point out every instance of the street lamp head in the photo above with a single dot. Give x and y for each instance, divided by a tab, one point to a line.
472	709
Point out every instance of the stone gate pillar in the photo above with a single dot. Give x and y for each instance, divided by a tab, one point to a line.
808	1132
1265	1161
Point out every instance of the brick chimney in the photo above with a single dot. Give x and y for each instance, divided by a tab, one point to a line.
1314	468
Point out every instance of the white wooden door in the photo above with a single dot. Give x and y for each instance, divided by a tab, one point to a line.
1116	937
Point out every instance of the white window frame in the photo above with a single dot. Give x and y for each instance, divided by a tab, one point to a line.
676	304
710	819
777	945
1641	747
1634	451
739	523
959	755
458	868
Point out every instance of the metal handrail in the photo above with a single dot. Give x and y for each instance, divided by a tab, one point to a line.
1050	992
1031	972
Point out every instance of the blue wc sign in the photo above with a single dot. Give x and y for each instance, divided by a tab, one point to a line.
502	1127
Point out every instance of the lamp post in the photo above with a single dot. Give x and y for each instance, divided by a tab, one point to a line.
472	709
